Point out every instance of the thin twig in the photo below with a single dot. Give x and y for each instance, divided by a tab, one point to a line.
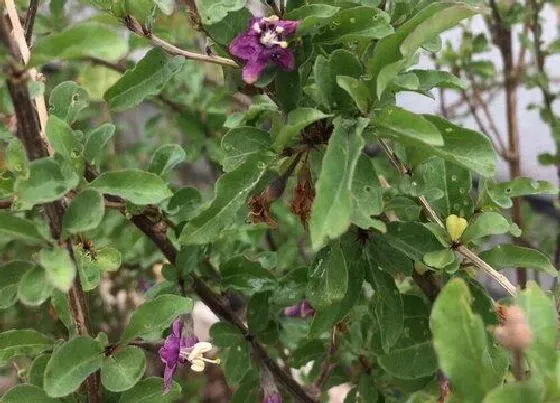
432	215
135	27
489	270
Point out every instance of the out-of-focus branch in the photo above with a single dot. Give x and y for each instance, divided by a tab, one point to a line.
502	36
30	20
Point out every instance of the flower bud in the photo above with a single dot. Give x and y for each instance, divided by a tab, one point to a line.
515	333
455	226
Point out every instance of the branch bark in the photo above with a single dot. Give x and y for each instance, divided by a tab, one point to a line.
214	301
29	132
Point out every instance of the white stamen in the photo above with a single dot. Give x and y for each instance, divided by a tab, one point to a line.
257	27
269	39
279	29
272	18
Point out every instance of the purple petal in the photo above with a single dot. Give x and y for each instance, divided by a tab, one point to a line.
306	309
189	341
290	27
284	58
168	378
245	46
169	352
253	69
276	397
292	311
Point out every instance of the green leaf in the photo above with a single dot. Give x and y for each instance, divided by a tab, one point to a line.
340	62
511	256
389	311
357	90
429	79
437	175
240	143
298	119
134	185
10	276
12	227
61	304
150	391
16	157
247	276
27	393
108	258
228	28
471	363
14	343
382	254
515	392
37	370
48	181
413	362
465	147
165	158
34	287
87	39
123	369
541	354
223	334
312	17
501	193
412	239
85	212
96	141
185	204
367	196
407	127
439	259
391	53
356	24
440	21
236	363
70	365
213	11
231	192
146	79
332	207
58	266
65	142
66	101
155	315
327	278
485	224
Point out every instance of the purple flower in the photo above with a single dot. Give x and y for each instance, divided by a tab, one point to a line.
264	43
302	310
275	397
182	349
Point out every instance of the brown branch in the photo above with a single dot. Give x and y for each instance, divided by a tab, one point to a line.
29	132
327	365
214	301
30	20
